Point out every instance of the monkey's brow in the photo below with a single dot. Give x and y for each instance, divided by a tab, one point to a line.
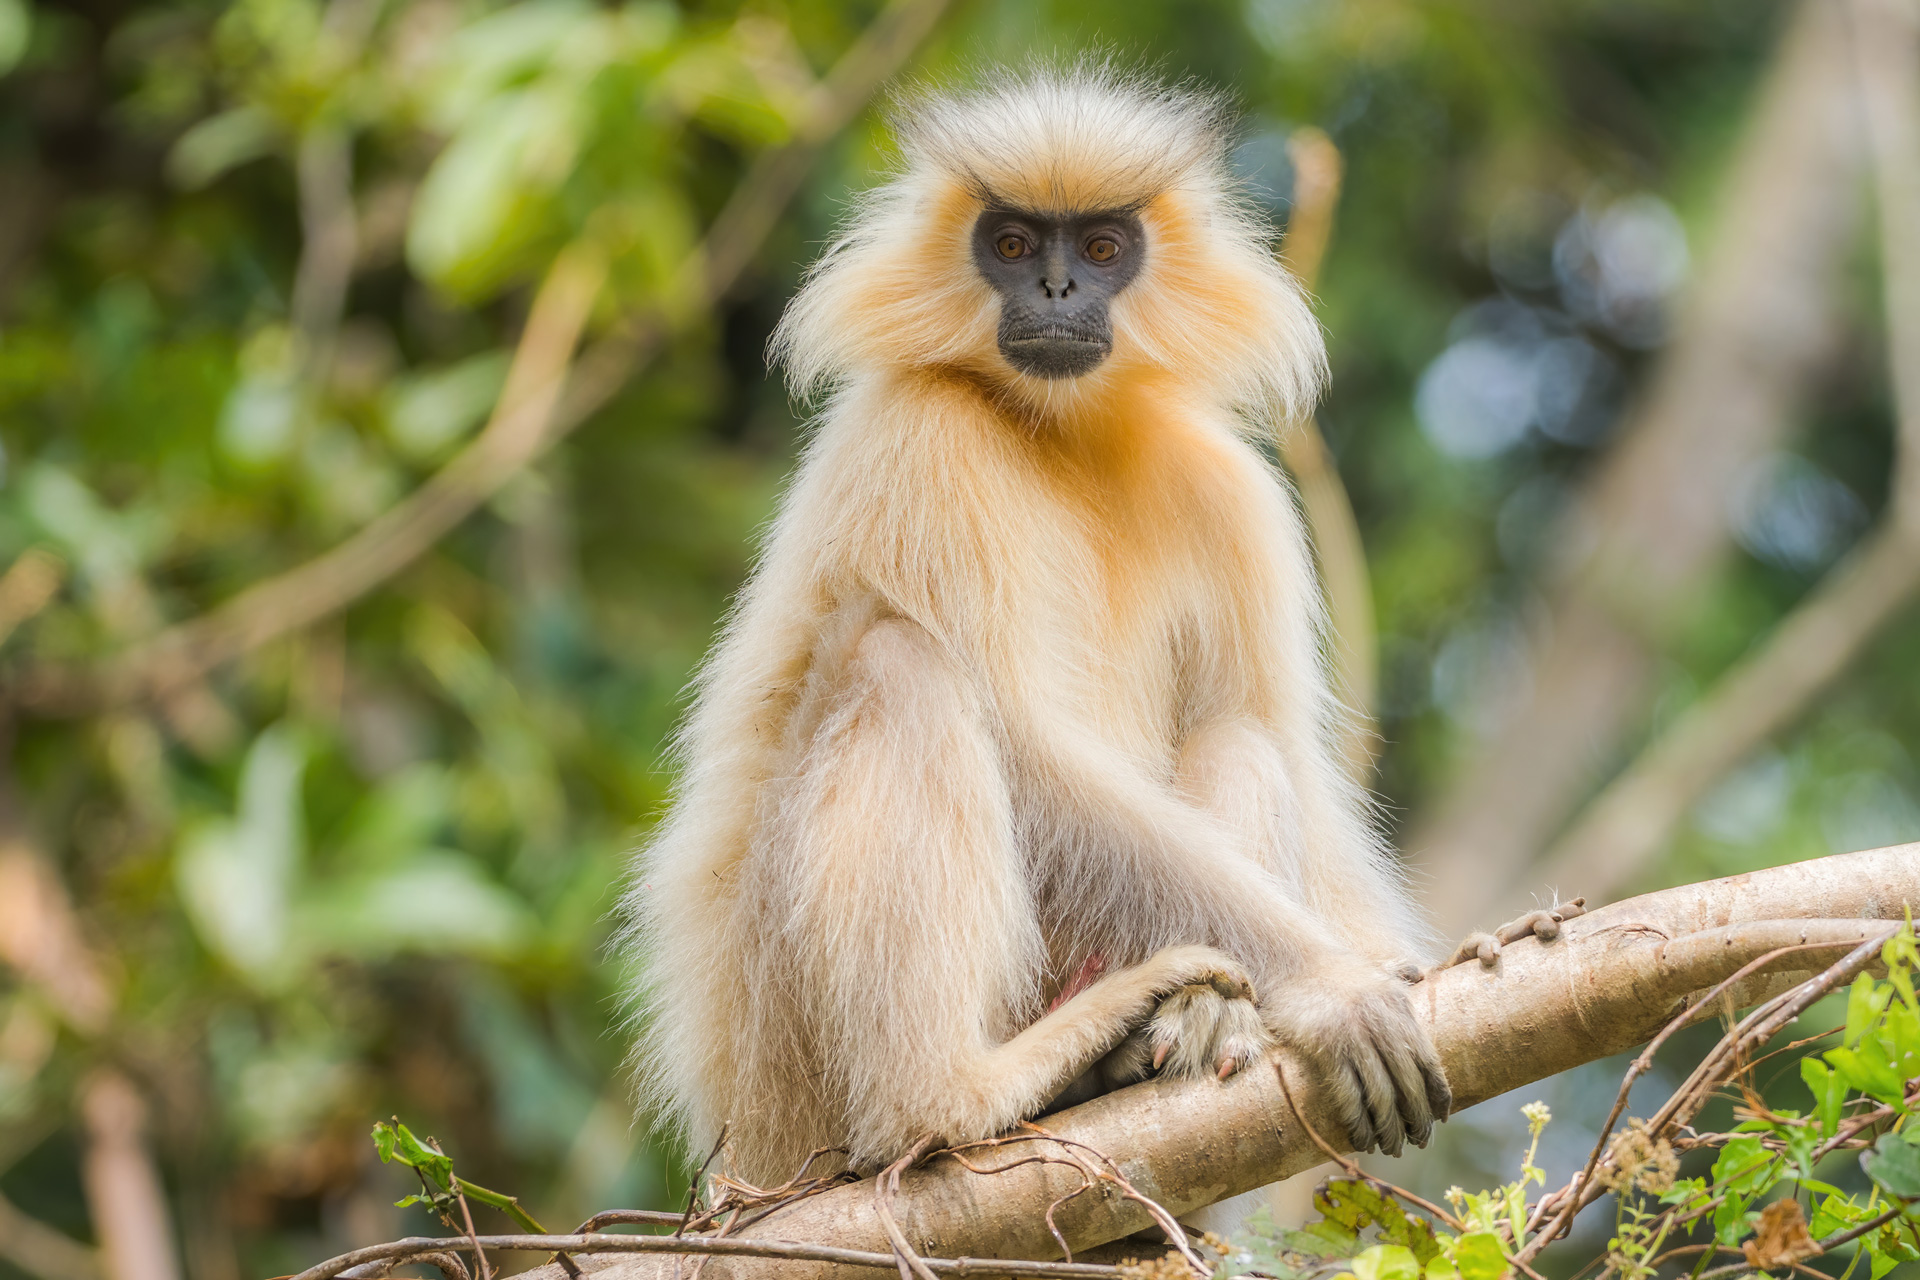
996	203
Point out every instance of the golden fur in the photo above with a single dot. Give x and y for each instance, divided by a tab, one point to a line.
1028	672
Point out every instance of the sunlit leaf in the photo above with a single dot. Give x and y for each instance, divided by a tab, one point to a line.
1479	1256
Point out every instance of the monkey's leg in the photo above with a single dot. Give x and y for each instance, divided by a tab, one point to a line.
915	943
1543	924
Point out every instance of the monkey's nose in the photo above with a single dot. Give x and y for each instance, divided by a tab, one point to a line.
1057	289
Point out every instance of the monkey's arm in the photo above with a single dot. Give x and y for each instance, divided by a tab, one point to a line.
1176	869
915	943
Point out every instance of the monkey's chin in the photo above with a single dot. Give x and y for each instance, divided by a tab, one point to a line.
1055	358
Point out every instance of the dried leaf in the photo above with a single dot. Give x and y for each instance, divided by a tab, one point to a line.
1781	1238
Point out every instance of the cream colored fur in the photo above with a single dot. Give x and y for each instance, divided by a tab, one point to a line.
1028	671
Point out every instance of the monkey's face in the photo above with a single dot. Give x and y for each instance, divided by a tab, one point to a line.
1056	275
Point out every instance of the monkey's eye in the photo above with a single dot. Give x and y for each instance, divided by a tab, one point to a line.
1011	247
1103	250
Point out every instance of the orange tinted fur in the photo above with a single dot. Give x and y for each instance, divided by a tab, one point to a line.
1028	672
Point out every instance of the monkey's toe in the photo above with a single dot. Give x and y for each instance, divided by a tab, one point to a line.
1543	924
1197	1031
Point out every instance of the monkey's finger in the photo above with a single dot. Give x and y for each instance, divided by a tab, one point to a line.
1410	1090
1541	924
1382	1107
1351	1102
1439	1092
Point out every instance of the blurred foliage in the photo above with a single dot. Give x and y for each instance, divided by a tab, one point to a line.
261	268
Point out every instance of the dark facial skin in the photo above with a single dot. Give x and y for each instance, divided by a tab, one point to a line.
1055	277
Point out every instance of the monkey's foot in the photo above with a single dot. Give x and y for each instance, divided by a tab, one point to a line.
1199	1029
1543	924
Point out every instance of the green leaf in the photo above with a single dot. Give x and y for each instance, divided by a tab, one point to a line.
1836	1213
1386	1262
1731	1220
1868	1067
1800	1140
1865	1001
1744	1166
1357	1205
1479	1256
1322	1240
1829	1093
219	143
237	876
1894	1166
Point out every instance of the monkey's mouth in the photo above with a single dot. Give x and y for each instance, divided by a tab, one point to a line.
1054	351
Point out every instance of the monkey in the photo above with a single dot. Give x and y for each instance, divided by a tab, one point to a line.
1010	777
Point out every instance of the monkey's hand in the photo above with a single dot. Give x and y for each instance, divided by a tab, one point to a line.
1543	924
1372	1055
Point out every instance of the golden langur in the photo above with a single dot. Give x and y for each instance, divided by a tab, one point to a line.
1011	778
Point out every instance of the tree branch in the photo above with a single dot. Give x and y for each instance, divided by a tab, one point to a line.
1616	976
1634	817
39	1250
124	1195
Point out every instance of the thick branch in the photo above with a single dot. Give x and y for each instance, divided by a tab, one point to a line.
1615	977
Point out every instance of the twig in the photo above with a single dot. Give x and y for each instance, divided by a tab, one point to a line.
1758	1027
1631	819
1563	1219
547	395
1873	1224
1353	1169
884	1187
693	1188
419	1246
1161	1215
